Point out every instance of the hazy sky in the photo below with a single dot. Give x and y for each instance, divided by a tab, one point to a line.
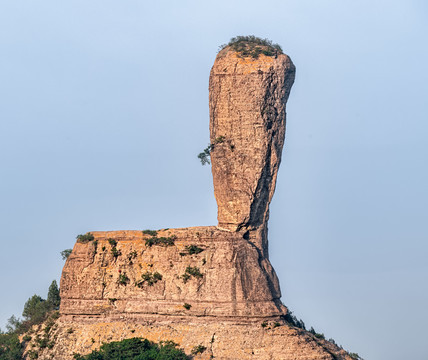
104	107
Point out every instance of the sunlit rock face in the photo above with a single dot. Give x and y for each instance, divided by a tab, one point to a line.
247	99
211	287
113	277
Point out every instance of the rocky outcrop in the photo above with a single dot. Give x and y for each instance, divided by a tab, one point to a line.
209	286
247	128
223	341
132	275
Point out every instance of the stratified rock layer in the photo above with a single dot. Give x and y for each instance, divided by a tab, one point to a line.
223	341
247	128
232	308
207	286
104	278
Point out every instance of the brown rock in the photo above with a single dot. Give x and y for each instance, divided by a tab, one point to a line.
247	129
210	286
223	341
103	279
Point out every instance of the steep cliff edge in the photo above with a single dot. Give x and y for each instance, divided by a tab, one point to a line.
210	286
129	274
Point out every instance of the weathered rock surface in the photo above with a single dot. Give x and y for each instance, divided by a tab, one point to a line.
210	286
235	281
247	128
223	341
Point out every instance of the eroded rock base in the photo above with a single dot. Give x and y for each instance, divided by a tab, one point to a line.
222	341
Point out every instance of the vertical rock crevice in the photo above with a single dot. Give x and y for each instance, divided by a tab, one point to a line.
247	109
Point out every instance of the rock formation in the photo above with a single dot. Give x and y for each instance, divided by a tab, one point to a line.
210	286
111	280
247	129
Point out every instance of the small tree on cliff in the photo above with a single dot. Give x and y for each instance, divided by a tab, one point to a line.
35	309
10	347
53	296
65	254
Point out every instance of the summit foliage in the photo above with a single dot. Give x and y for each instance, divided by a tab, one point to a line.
253	46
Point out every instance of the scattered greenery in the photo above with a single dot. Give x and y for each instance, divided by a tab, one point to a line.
191	250
85	238
205	155
115	252
265	324
191	271
36	311
33	354
150	232
252	46
136	349
10	347
292	320
148	278
320	336
42	342
187	306
317	335
161	241
95	244
70	331
219	140
53	299
132	255
112	242
66	253
123	279
199	349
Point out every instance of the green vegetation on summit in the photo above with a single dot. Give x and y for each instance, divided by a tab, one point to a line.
253	46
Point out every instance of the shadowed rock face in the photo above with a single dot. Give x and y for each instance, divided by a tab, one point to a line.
247	129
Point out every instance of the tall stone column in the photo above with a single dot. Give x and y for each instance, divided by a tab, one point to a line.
247	99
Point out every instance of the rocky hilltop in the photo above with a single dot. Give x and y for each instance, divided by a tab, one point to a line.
210	286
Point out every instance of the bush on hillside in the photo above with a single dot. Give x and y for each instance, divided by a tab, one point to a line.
10	347
136	349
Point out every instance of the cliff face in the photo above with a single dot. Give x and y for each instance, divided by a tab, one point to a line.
247	128
210	286
222	340
218	273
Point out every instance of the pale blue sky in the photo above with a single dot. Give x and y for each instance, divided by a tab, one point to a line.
104	107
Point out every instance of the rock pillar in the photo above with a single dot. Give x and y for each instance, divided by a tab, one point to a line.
247	99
